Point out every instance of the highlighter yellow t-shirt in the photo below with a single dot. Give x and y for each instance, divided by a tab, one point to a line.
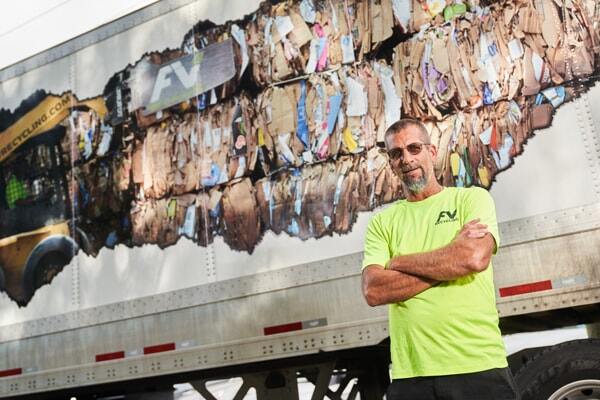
451	328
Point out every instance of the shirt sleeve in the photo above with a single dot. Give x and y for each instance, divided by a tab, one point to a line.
376	245
480	204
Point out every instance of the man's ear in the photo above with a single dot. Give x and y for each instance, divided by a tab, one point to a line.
385	142
433	151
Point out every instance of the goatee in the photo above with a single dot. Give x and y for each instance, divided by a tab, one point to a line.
415	185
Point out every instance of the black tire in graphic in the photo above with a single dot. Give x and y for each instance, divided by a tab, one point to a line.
49	266
45	261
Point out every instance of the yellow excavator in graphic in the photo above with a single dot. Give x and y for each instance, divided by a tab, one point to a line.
38	233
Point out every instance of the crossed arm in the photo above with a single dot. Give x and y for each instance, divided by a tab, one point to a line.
408	275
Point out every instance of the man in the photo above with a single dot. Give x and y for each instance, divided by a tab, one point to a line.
428	257
15	191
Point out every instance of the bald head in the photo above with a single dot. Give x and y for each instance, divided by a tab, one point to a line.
398	126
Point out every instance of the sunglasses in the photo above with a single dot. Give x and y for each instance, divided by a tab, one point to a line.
397	153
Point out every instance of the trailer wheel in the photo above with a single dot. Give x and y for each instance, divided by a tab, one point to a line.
567	371
583	389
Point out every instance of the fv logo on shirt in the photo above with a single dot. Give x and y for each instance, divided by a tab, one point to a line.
446	216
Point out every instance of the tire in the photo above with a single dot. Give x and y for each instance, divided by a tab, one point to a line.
567	371
48	267
46	260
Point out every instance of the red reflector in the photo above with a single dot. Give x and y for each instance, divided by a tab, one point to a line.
294	326
110	356
11	372
159	348
526	288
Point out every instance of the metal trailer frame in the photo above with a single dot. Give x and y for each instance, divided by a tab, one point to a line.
181	315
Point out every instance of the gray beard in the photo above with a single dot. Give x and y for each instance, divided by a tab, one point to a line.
415	186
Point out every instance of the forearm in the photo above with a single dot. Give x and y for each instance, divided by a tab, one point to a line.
384	286
444	264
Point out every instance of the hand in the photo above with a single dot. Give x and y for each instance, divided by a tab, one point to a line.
472	230
469	239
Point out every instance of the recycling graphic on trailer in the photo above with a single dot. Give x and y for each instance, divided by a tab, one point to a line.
276	123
